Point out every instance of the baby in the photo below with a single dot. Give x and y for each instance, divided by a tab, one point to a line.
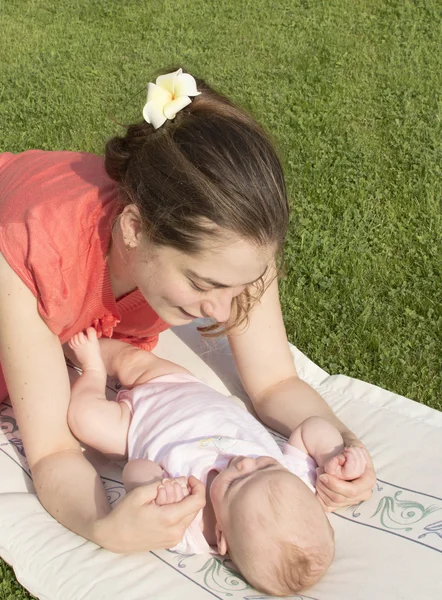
261	506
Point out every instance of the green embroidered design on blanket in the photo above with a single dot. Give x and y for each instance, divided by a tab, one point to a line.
412	515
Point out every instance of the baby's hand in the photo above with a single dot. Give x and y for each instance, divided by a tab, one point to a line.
348	464
172	490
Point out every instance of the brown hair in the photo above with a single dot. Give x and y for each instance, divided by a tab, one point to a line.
298	539
211	165
288	568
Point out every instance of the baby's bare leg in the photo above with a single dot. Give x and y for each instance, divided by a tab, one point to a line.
133	366
92	418
87	351
142	471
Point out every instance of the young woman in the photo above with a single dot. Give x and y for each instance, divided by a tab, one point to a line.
184	218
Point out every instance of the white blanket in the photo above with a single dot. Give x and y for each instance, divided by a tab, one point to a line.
389	547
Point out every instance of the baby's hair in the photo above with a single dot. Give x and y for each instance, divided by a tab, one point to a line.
211	168
288	568
296	569
294	557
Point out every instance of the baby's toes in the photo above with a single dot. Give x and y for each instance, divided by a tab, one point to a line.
91	334
81	338
74	342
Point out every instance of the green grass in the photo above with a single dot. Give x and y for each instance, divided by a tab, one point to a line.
10	589
351	92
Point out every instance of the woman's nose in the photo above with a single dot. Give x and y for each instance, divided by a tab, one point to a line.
219	306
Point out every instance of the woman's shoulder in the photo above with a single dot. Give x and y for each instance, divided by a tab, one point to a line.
56	213
44	158
39	185
41	169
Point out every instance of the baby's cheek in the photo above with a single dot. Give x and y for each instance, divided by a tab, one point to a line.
216	494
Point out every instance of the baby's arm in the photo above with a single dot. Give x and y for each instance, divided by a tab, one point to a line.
321	440
93	419
318	438
142	471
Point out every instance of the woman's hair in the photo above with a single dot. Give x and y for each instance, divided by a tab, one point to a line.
210	167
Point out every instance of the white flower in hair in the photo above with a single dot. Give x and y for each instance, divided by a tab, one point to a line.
167	96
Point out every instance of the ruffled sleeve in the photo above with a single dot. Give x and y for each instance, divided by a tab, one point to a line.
56	211
146	343
56	216
104	326
31	252
140	325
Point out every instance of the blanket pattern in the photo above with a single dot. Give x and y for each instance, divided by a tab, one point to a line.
412	515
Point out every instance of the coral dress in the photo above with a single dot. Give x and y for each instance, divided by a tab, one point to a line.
56	215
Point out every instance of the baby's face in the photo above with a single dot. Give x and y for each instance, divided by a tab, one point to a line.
243	473
264	511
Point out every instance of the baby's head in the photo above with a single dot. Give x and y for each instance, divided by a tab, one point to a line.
272	525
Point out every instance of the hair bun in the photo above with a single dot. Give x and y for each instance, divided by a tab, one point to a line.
120	150
117	156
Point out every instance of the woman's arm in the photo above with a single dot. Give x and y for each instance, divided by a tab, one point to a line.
280	398
38	386
67	485
268	373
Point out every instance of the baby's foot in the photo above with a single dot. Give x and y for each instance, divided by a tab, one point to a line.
348	464
172	490
87	350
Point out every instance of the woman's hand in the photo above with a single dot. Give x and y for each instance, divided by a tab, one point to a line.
138	524
334	492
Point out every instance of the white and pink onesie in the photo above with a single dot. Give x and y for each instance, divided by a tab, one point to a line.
188	428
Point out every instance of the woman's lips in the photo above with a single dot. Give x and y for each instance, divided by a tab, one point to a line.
186	314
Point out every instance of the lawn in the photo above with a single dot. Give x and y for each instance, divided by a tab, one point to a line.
350	91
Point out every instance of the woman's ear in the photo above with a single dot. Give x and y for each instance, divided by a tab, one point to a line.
221	540
131	225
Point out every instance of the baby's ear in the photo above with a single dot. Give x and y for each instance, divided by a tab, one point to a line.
221	540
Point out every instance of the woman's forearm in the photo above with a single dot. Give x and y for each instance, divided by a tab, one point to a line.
287	404
71	491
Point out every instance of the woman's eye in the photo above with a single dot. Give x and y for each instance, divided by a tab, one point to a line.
196	287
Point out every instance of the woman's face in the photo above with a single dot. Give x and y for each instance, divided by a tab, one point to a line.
181	288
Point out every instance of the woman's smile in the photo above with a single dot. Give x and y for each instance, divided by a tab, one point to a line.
186	314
